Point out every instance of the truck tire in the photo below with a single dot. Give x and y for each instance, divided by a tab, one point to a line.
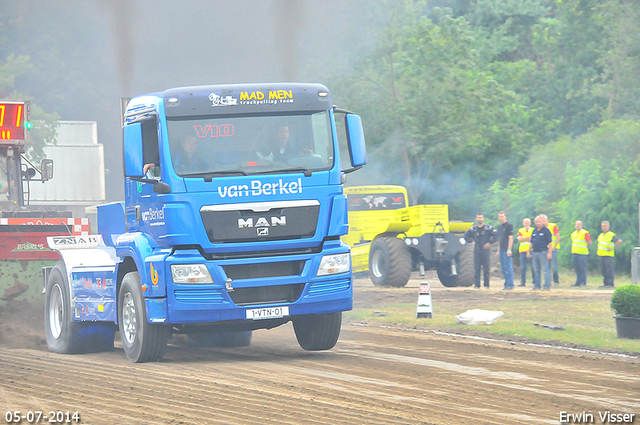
63	334
464	262
142	341
389	262
316	332
220	339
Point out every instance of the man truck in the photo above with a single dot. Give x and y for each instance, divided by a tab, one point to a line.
226	228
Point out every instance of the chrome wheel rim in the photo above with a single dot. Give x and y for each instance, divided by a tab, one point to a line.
56	307
129	319
376	266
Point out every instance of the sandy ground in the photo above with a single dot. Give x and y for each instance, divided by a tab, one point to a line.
377	374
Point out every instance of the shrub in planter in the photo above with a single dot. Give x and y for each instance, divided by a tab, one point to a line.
626	301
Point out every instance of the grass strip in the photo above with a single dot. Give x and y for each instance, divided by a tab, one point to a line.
586	322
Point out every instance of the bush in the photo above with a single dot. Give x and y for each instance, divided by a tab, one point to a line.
626	301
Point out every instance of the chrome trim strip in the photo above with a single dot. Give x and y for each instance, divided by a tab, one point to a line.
260	206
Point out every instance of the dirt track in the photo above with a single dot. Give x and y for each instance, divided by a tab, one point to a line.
375	375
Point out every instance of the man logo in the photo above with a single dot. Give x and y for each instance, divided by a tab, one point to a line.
262	222
263	231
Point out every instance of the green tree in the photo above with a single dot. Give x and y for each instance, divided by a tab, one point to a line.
591	178
44	125
620	78
429	106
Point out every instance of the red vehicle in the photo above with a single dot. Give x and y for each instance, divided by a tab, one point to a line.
23	229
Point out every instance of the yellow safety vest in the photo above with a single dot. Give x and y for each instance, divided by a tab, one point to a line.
605	241
525	245
552	227
579	242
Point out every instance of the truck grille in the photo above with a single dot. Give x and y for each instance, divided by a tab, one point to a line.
324	288
267	294
260	221
199	295
252	271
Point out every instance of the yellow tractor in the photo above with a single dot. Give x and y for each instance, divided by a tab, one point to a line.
391	239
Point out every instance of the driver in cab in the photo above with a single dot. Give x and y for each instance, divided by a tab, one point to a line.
279	148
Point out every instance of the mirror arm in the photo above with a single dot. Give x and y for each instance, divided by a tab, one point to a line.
351	170
158	186
143	180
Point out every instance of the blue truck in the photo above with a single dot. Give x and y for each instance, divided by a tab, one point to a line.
231	222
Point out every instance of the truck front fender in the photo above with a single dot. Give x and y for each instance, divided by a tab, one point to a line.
149	261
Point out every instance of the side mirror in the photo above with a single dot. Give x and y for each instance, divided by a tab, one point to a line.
46	169
355	139
132	139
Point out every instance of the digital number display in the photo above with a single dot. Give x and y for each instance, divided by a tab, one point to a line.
12	120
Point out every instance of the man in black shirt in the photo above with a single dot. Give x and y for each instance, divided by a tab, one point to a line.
540	253
481	236
505	237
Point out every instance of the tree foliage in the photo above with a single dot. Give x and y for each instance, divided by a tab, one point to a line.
44	125
591	178
429	106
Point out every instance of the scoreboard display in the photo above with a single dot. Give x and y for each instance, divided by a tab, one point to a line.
14	117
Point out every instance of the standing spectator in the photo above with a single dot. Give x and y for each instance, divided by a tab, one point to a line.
524	237
540	254
505	237
481	236
555	246
580	243
607	243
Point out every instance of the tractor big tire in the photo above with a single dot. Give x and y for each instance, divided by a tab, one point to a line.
389	262
316	332
142	341
464	264
220	339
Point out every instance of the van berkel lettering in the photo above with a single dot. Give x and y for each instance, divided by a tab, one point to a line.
258	188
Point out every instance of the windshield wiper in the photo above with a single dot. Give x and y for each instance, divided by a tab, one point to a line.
307	172
208	176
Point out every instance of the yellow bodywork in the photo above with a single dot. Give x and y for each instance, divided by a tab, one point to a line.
370	219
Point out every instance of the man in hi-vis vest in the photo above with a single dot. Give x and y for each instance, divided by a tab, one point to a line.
555	246
607	243
580	243
524	237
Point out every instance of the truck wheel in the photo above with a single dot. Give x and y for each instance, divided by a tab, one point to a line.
316	332
62	332
389	262
464	263
142	341
220	339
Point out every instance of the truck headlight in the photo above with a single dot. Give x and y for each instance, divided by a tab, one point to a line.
332	264
190	273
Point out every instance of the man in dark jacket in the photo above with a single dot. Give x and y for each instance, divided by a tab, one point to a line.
540	254
481	236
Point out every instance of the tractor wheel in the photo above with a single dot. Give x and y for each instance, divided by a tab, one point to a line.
316	332
389	262
464	263
142	341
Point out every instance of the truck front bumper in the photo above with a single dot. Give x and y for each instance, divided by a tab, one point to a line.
299	289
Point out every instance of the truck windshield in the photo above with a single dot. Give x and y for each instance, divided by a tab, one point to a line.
251	144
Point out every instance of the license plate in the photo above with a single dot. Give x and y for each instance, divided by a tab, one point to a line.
267	313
